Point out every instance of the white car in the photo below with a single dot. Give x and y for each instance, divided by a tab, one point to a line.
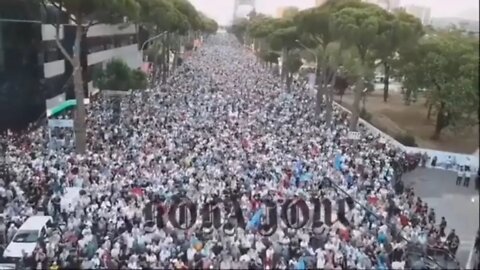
26	238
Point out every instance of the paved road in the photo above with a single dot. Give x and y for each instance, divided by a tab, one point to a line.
438	189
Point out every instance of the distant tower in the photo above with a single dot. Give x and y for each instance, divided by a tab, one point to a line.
239	3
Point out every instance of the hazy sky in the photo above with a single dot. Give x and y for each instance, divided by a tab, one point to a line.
222	10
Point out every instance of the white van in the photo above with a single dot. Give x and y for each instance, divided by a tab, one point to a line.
27	237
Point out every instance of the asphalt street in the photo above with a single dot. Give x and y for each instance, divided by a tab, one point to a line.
459	205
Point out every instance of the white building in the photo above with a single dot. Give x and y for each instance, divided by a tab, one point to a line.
32	68
319	3
102	44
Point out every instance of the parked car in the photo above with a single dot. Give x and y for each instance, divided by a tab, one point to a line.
26	239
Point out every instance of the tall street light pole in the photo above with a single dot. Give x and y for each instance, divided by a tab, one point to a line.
149	40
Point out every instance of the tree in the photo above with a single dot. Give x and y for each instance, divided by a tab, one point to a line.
209	26
158	16
327	30
284	38
315	24
446	65
292	65
272	58
259	28
318	34
84	14
339	62
340	86
401	31
118	76
359	25
239	29
189	11
180	22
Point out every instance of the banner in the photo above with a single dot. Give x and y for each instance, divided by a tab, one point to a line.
354	135
60	123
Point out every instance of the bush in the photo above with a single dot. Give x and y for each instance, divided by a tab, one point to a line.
406	139
119	76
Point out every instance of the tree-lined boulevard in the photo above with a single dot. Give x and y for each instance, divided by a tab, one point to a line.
179	19
220	131
353	39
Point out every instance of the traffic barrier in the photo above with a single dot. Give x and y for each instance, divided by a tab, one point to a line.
445	160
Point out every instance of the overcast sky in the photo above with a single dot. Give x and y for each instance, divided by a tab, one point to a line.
222	10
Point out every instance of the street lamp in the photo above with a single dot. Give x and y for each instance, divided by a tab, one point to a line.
150	39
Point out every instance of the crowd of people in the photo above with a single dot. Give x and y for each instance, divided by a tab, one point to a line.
221	127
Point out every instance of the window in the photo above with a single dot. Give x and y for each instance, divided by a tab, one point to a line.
51	52
26	237
97	44
124	40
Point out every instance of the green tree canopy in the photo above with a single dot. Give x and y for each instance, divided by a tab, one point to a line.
239	29
293	62
446	65
208	25
401	31
261	27
192	15
119	77
284	35
361	26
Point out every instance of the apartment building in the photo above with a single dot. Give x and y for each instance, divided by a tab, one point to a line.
34	74
319	3
100	44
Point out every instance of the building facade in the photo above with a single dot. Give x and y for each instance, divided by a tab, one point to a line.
20	68
34	74
319	3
